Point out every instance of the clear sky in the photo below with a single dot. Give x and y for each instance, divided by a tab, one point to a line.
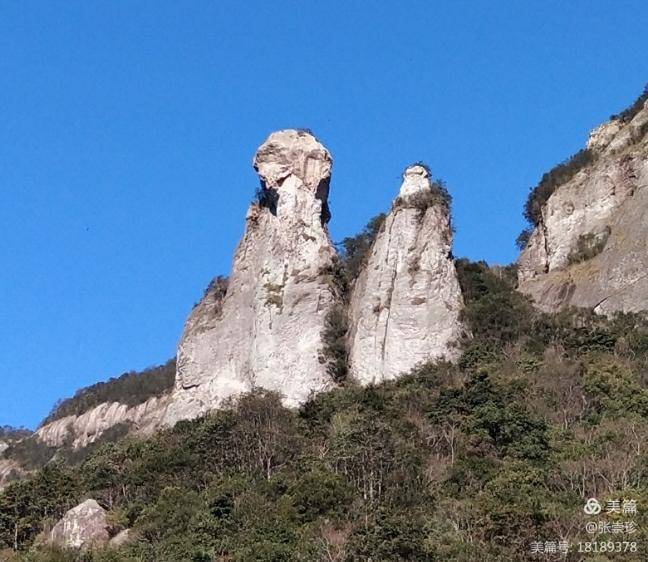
128	129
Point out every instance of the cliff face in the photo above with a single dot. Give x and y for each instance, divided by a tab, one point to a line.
8	467
266	329
589	248
406	303
81	431
109	420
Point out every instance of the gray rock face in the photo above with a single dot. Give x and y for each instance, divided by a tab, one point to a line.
266	330
81	431
8	467
603	209
121	538
406	303
83	527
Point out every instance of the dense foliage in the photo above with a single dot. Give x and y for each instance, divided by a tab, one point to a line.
552	180
464	462
130	388
355	249
353	254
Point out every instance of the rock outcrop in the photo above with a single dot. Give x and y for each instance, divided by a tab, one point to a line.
266	330
121	538
80	431
9	469
590	246
83	527
406	303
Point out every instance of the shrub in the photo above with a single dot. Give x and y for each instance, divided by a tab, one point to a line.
588	246
130	388
334	351
9	433
629	113
552	180
566	170
30	453
356	249
523	238
437	195
494	311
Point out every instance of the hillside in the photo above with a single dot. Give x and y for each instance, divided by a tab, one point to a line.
103	412
466	462
374	400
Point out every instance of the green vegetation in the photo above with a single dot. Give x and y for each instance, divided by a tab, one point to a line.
629	113
552	180
130	388
566	170
273	295
334	352
437	195
588	246
9	433
355	249
354	253
463	462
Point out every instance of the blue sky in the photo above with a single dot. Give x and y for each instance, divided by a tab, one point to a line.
128	130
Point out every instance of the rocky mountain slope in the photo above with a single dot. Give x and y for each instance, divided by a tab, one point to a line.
82	430
268	325
589	246
266	329
406	303
133	403
531	413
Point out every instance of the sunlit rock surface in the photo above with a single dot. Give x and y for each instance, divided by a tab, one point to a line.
267	329
605	207
406	303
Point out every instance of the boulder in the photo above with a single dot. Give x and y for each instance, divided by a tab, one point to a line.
83	527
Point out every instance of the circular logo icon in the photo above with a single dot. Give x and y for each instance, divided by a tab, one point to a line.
592	507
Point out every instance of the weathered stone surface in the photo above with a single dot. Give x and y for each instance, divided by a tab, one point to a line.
406	303
8	468
83	527
607	203
121	538
80	431
266	331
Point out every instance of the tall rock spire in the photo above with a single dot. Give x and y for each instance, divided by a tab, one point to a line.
406	303
265	331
